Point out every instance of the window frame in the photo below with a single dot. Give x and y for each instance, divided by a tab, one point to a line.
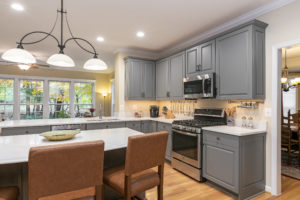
17	79
10	104
42	103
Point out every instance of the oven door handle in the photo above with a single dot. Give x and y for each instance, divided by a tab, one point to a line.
184	133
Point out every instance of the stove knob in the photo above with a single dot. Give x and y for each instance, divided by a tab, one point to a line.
193	129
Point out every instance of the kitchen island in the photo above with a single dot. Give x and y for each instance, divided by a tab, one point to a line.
14	151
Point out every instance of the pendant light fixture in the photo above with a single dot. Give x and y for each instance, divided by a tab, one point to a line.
21	56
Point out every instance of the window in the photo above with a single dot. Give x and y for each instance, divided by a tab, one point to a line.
59	99
6	98
83	99
31	99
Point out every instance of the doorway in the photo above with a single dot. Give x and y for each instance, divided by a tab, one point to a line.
276	116
290	113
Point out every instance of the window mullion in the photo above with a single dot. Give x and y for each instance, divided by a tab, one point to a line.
72	99
46	100
16	109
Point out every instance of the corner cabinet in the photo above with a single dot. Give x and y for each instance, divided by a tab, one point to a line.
240	63
139	79
169	77
236	163
201	59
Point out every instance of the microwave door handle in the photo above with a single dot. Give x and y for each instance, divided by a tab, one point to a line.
185	133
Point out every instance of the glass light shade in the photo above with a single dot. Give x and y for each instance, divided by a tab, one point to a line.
60	60
283	80
24	67
95	64
18	55
104	94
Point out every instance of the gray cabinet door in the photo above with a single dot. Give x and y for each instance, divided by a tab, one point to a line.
148	126
234	65
135	72
166	127
135	125
177	71
220	165
207	57
192	61
162	80
148	81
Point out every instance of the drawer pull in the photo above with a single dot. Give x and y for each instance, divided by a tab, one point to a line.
218	138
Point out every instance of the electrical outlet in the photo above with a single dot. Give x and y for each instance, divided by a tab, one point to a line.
121	107
134	107
268	112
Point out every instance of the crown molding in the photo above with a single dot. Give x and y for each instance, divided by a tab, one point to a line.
137	52
226	26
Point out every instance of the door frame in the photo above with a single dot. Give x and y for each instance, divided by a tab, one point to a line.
276	110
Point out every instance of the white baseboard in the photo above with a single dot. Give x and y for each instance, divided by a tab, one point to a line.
268	188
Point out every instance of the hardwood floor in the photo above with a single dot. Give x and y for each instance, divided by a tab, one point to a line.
180	187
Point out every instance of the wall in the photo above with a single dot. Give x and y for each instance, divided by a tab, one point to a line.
102	80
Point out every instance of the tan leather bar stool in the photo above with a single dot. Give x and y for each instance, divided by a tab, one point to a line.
143	153
9	193
67	171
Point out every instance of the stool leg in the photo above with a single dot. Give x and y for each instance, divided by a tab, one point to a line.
127	188
160	187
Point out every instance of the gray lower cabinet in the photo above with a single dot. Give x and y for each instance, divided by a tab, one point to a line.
139	79
24	130
166	127
235	163
169	77
148	126
240	61
105	125
201	59
135	125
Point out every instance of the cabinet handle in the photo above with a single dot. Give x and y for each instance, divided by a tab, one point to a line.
168	94
218	138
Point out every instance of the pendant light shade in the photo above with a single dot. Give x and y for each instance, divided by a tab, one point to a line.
18	55
60	60
95	64
24	67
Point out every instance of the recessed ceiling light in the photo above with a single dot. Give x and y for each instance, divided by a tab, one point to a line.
100	39
140	34
17	6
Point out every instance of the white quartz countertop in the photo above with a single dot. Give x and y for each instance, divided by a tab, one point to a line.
235	130
50	122
15	149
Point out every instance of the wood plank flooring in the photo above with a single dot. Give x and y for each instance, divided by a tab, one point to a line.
180	187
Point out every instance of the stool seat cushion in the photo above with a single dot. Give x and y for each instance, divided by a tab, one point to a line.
9	193
140	182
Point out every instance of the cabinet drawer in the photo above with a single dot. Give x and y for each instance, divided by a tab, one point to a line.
135	125
24	130
220	139
105	125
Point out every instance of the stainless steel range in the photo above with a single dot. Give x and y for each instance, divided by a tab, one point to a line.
187	140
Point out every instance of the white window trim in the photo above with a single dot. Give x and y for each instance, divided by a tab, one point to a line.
16	109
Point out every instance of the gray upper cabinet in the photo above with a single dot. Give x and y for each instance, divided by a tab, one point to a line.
162	79
139	79
169	77
240	61
177	71
201	59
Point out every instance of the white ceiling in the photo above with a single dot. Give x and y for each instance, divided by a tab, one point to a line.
165	23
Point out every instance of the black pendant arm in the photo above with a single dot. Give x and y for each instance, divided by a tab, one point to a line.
36	32
76	38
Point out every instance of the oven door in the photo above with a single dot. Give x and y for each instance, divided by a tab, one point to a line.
193	87
208	85
186	147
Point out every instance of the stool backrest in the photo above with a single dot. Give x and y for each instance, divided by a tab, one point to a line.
145	152
64	168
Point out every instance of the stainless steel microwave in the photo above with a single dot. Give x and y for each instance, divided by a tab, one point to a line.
199	86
